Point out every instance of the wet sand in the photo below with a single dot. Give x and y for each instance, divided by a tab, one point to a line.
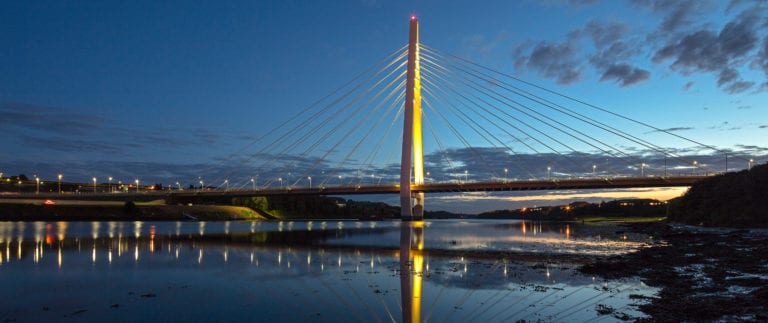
704	274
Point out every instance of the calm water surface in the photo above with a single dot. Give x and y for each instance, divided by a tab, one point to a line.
455	271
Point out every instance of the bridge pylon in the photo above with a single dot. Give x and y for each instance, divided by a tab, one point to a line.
412	158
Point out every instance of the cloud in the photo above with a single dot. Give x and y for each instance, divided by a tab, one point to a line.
625	74
70	145
553	60
688	85
604	34
676	14
724	126
753	148
583	2
673	129
715	52
740	86
761	60
38	118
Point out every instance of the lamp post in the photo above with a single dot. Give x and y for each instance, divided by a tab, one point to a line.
749	164
110	184
253	184
642	169
120	184
281	182
94	184
60	176
310	182
178	185
466	176
340	182
202	186
226	185
549	172
594	170
37	180
694	167
506	172
137	185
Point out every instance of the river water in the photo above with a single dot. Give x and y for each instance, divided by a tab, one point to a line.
297	271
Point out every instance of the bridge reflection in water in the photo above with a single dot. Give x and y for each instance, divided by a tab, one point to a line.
289	271
411	268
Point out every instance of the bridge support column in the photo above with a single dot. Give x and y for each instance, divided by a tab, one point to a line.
412	158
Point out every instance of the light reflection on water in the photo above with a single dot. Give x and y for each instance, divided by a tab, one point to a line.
307	270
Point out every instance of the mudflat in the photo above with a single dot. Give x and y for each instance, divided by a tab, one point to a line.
704	274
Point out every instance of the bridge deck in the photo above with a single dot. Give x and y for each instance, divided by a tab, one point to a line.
546	185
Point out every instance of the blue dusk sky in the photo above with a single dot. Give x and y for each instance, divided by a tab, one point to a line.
171	91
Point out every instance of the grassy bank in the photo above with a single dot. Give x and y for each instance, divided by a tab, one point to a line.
124	212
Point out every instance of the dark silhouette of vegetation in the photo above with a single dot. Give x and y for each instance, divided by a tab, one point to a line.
578	210
736	199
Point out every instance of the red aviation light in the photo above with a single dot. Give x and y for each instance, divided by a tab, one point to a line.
413	17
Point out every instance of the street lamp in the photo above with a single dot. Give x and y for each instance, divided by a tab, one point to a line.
506	174
340	182
642	169
202	186
549	172
466	176
137	185
253	184
60	176
373	179
310	182
110	184
694	167
594	169
94	184
281	182
226	183
178	185
749	164
37	180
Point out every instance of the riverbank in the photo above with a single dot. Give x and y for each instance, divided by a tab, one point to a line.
105	211
705	274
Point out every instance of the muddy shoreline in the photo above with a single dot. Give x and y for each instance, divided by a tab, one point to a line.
704	274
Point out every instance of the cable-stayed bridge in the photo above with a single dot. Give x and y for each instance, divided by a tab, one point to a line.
465	127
